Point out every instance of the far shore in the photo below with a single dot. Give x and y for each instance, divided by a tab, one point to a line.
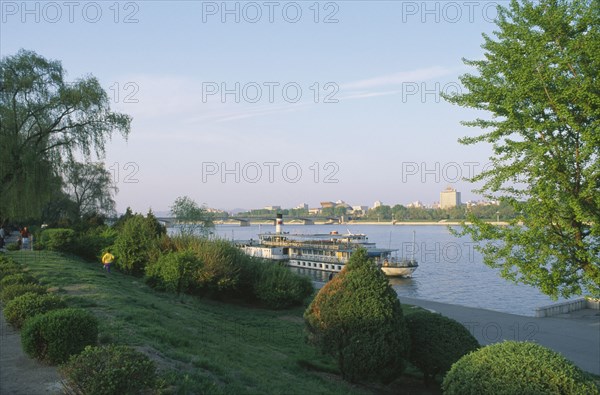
386	223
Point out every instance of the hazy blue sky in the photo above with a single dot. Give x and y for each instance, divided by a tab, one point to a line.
368	116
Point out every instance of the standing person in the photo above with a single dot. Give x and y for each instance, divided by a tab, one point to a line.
107	260
25	235
2	235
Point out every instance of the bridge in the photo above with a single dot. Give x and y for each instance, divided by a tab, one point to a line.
245	221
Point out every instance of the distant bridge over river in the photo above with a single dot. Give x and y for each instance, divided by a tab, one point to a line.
246	221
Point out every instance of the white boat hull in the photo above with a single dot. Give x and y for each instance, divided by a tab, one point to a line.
398	271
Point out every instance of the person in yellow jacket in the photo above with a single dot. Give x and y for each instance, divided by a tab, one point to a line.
107	259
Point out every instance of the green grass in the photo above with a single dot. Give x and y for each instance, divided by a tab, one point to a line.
202	346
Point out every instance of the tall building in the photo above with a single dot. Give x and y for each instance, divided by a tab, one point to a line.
449	197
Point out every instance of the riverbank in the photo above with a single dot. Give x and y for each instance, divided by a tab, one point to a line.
383	223
575	335
199	345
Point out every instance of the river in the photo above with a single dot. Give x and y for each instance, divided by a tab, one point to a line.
450	270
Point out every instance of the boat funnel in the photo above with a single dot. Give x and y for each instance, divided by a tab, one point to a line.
278	223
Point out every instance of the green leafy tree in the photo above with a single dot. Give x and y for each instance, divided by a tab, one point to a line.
357	318
539	81
46	120
136	245
192	219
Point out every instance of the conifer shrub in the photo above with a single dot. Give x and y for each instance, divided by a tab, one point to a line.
516	368
436	342
175	272
59	239
357	318
10	292
56	335
17	278
109	370
30	304
277	287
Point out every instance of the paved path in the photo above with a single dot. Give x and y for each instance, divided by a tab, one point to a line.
19	374
575	335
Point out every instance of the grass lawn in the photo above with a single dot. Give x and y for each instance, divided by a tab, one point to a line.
201	345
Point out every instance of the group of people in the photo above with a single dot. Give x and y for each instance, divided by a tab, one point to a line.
24	240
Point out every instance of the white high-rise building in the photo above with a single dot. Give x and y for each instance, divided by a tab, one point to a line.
449	198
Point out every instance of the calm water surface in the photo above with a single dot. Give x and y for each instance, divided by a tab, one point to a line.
450	270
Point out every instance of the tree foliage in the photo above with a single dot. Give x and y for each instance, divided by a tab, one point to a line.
90	187
137	244
514	367
436	342
46	120
539	81
192	219
357	318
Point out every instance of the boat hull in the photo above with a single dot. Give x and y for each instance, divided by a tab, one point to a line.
398	271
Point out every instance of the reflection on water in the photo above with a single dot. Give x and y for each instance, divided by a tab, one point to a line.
407	283
315	275
450	270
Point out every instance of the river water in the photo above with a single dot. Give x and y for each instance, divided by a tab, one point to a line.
450	270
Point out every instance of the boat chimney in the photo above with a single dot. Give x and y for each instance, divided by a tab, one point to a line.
278	223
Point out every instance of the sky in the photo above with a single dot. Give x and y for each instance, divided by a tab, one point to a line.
249	104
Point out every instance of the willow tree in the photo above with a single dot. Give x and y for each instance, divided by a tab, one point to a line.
46	120
539	83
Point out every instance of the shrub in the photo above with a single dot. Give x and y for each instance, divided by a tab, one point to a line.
135	245
222	264
175	272
56	335
516	368
89	245
58	239
357	318
8	269
29	305
10	292
109	370
436	342
17	278
13	247
277	287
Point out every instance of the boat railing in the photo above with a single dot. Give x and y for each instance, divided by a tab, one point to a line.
318	258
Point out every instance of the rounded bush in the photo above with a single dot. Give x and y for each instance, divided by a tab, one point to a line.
357	318
109	370
516	368
56	335
277	287
58	239
30	304
8	268
17	278
10	292
436	342
175	272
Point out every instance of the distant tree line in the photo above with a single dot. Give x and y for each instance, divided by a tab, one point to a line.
504	211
